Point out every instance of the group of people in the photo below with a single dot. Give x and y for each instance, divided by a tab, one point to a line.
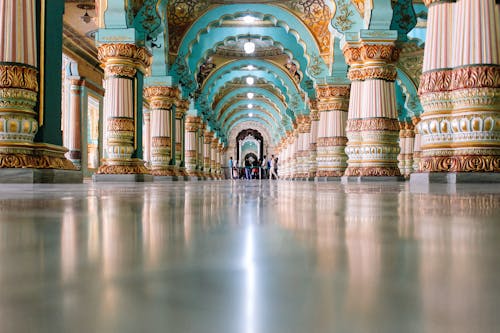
262	169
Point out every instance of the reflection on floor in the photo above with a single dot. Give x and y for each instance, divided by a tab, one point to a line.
249	257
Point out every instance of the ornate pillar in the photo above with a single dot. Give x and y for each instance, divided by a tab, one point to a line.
180	113
207	141
74	135
220	149
200	162
332	103
313	164
146	136
417	150
302	155
372	125
121	63
460	88
213	157
161	101
406	145
191	148
19	87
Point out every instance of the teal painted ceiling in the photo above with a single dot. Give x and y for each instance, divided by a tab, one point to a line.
199	45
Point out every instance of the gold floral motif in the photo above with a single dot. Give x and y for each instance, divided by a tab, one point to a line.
330	173
126	52
385	52
372	124
330	91
332	141
117	124
18	76
161	141
486	76
162	91
373	171
431	2
122	169
385	72
35	161
466	163
352	55
120	71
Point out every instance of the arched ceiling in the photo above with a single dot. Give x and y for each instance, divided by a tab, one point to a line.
199	45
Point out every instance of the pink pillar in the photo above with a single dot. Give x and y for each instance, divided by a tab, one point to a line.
459	88
121	63
373	126
161	101
191	147
333	103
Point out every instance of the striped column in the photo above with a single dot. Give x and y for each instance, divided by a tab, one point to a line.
417	150
161	101
74	135
406	145
19	87
213	157
302	155
460	87
200	162
207	141
333	103
121	62
220	149
372	127
191	148
180	114
313	153
146	136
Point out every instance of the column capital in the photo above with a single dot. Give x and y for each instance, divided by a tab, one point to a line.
304	123
192	123
182	108
124	59
333	97
161	97
428	3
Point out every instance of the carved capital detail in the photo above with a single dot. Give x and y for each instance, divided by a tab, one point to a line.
372	124
476	76
124	54
116	124
18	76
333	97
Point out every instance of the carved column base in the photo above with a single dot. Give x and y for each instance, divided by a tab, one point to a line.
302	165
331	157
477	160
123	166
34	155
373	171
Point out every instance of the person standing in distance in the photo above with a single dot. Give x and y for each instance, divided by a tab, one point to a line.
273	170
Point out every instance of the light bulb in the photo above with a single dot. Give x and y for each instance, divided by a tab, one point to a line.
249	47
250	114
250	95
250	105
250	80
248	19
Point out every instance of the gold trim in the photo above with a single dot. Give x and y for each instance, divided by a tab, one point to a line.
42	64
135	113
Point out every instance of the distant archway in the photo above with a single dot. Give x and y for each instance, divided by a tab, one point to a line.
249	141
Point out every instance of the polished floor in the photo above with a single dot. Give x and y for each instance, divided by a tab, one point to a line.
249	257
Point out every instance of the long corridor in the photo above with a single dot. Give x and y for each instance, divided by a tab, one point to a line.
249	257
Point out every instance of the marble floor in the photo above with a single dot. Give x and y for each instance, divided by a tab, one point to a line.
249	257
